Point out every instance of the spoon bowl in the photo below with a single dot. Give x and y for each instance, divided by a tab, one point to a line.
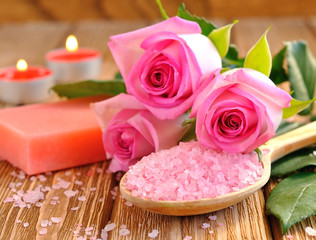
275	148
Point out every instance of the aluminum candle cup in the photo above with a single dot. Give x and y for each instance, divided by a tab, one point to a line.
25	85
73	64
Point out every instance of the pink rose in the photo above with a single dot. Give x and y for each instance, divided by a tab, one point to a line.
130	131
164	64
238	111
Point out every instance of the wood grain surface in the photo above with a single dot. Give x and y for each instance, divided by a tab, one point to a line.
76	10
245	220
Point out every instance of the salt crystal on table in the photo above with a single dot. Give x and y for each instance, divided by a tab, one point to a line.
74	208
42	178
56	219
153	234
191	171
109	227
32	179
187	237
212	217
38	204
44	223
82	198
129	204
289	236
205	225
310	231
18	221
26	224
43	231
77	182
67	173
124	232
70	193
211	232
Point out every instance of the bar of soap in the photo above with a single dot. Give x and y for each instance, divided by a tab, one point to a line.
52	136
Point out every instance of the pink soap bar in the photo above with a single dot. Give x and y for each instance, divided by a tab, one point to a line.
47	137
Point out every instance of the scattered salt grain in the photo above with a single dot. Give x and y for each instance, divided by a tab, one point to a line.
56	219
32	179
310	231
101	199
211	232
93	189
26	224
187	237
38	204
70	193
55	198
61	184
191	171
74	208
109	227
44	223
82	198
67	173
129	204
77	182
289	236
46	189
212	217
114	192
42	178
123	231
153	234
205	225
18	221
18	184
43	231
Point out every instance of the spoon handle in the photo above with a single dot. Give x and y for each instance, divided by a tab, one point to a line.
291	141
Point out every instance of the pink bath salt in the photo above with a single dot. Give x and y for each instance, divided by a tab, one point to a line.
187	237
43	231
212	217
205	225
191	171
310	231
56	219
153	234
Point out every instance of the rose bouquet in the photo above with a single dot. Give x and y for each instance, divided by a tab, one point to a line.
181	79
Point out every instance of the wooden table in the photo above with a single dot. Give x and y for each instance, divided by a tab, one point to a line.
246	220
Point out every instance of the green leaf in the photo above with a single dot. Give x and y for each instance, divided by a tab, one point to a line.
190	133
293	199
258	151
206	26
231	59
286	126
278	74
89	88
302	71
294	161
163	12
118	77
259	56
221	38
296	107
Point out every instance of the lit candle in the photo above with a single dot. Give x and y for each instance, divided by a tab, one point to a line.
25	84
73	63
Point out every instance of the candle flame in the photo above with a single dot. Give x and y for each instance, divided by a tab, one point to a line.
71	43
21	65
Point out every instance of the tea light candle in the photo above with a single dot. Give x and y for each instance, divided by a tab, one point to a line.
72	63
25	84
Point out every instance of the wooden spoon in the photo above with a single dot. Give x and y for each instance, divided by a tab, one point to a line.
277	147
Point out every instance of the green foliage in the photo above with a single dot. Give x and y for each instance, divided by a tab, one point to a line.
293	199
296	107
190	133
301	71
294	161
163	12
206	26
278	74
259	56
221	38
231	60
89	88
